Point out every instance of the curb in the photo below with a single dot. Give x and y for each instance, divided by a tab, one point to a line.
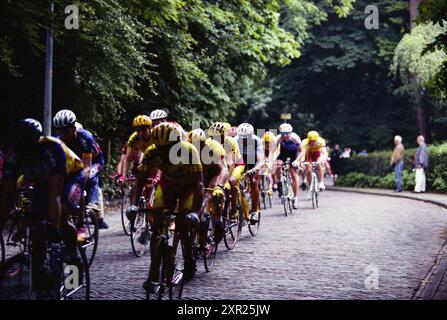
341	189
430	283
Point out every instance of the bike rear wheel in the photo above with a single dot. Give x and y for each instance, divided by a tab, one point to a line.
139	234
91	244
124	221
75	280
176	264
210	247
233	228
254	228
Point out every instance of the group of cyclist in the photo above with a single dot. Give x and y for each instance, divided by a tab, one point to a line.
181	167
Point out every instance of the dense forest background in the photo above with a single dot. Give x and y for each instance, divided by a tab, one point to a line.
236	61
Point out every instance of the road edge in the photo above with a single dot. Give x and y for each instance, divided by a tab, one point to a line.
430	283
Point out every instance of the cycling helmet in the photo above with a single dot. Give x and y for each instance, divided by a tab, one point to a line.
27	132
268	136
196	135
285	128
245	129
312	135
64	118
165	134
158	114
141	121
217	129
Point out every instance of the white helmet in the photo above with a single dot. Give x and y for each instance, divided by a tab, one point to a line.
285	128
245	129
64	118
158	114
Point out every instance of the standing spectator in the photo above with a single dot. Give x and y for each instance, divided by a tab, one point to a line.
420	164
335	162
346	153
397	161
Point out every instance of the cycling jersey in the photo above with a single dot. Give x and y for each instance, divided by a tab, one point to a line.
312	148
251	149
51	157
211	156
288	148
177	163
135	142
85	143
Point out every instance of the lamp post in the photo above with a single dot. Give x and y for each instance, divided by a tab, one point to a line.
48	91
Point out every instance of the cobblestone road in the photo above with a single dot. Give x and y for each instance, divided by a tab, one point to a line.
314	254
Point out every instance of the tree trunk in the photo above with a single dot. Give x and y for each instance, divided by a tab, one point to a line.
421	110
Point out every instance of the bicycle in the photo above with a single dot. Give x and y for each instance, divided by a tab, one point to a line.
168	252
286	191
314	185
245	203
232	225
90	223
140	226
126	188
265	190
205	242
57	278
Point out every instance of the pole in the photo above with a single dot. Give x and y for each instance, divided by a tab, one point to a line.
48	95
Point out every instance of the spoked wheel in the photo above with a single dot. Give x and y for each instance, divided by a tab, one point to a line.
124	204
90	245
269	196
233	229
15	277
210	248
155	285
254	228
174	277
285	198
75	284
314	191
139	234
2	250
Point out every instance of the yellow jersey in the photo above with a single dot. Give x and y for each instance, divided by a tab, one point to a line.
177	163
137	143
313	146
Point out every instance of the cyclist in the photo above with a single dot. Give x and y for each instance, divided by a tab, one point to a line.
253	155
138	141
236	167
271	151
289	148
215	171
57	175
181	180
85	146
313	150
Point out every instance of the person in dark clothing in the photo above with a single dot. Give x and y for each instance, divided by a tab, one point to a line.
335	161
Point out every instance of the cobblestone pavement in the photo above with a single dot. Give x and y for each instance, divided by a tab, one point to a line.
333	252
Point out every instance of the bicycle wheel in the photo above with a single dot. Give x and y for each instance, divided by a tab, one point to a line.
284	197
210	247
233	229
2	250
254	228
174	270
124	221
139	234
155	283
313	191
91	244
75	279
16	279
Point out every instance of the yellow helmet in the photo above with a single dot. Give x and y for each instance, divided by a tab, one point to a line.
196	135
165	134
268	136
312	135
141	121
217	129
227	126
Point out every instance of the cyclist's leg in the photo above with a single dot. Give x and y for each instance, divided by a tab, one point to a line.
71	198
254	192
235	179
